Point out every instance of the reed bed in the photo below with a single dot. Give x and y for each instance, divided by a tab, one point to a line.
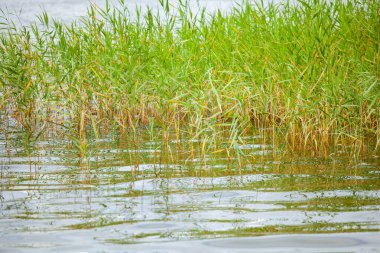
305	74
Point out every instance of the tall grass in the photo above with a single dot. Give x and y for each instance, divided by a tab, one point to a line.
304	73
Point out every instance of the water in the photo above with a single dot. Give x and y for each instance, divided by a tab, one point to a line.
71	10
142	193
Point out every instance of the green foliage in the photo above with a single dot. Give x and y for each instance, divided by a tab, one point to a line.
309	70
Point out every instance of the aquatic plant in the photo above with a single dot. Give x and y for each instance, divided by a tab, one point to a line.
304	74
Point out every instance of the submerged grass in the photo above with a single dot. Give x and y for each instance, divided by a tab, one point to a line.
305	74
97	224
316	227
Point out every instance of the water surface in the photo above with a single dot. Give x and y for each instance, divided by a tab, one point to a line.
153	195
71	10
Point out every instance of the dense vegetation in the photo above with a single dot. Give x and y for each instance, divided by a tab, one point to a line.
306	73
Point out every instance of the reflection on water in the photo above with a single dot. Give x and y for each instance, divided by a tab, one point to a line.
125	192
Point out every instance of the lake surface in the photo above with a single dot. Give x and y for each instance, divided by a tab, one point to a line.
154	195
70	10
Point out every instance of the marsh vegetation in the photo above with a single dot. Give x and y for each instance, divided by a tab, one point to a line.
180	124
306	74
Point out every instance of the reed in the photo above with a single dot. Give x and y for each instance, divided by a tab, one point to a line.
306	74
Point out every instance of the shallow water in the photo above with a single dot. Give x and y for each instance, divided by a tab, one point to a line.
70	10
128	196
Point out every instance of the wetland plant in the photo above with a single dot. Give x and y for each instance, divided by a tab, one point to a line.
305	75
